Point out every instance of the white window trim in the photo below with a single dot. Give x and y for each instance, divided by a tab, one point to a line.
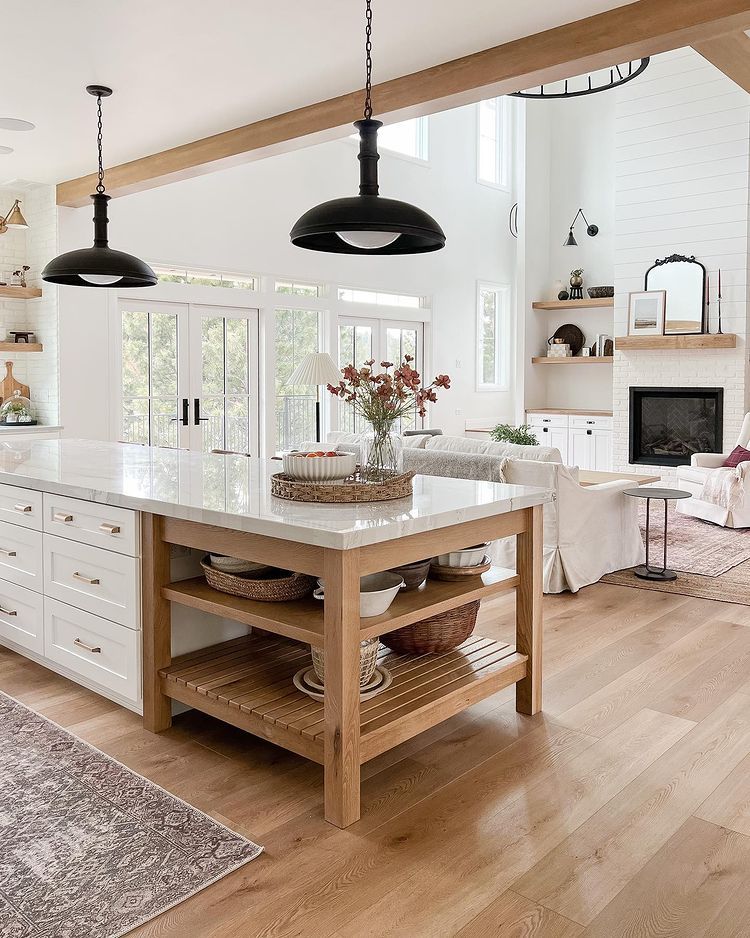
503	332
503	152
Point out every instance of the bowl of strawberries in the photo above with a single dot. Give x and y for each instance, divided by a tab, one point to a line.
319	466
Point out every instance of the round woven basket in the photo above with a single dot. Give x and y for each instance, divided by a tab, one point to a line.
438	633
413	574
368	659
351	490
269	585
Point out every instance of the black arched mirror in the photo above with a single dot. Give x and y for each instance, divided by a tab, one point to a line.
684	280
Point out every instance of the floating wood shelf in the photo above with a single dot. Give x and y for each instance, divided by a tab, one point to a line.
725	340
248	682
20	293
14	347
575	360
574	304
575	411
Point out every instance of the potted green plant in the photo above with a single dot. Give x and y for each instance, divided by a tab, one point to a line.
505	433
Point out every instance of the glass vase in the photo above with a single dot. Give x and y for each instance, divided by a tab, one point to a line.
382	453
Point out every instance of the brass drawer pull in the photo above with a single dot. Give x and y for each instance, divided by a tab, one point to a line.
86	579
8	553
108	528
62	517
23	508
8	612
94	649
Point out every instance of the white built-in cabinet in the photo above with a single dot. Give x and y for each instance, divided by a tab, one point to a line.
584	440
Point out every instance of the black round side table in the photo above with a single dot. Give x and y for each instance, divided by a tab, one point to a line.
647	572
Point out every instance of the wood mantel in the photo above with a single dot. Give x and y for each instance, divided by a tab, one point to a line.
697	342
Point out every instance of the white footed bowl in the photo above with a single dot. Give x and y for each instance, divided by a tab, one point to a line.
467	557
376	592
319	468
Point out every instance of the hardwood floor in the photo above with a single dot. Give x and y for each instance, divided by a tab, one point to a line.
623	809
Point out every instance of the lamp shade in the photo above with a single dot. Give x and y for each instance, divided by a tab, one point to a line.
15	218
315	369
570	241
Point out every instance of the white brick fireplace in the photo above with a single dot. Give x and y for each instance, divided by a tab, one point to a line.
681	187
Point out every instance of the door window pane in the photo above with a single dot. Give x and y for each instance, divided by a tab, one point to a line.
135	355
212	354
163	425
401	342
297	334
355	348
237	356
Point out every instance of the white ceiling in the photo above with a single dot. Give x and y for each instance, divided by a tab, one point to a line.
183	69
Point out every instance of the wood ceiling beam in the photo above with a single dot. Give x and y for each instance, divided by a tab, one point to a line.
730	54
645	27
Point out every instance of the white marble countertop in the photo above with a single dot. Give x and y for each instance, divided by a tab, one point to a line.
234	492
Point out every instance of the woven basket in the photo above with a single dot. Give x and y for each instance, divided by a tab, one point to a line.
438	633
348	491
269	585
413	574
368	659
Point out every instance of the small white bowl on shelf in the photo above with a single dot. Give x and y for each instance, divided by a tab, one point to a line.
313	468
467	557
376	592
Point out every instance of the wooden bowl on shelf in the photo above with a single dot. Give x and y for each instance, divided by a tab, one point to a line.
440	571
413	574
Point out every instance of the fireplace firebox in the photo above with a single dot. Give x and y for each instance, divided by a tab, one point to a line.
668	425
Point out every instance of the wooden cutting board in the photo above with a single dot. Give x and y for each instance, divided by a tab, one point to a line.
9	385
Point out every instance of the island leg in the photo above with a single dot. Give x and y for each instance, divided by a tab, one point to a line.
341	702
529	610
157	624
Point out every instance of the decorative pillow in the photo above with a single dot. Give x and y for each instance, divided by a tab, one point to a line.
739	454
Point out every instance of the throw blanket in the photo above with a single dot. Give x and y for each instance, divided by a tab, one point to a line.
475	466
725	487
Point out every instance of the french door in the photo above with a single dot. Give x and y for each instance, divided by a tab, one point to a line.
188	375
361	339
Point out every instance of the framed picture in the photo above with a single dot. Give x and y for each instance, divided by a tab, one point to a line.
646	312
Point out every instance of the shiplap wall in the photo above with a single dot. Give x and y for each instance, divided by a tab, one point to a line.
681	187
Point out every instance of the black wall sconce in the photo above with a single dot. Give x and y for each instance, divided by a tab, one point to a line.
591	230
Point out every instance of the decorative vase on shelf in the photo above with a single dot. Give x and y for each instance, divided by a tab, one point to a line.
382	453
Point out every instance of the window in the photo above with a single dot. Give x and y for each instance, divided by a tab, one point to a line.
379	299
297	289
493	337
297	333
205	278
407	138
493	142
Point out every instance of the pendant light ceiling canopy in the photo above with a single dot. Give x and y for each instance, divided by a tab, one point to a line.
99	265
367	223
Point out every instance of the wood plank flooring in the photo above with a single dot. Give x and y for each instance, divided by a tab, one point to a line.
623	809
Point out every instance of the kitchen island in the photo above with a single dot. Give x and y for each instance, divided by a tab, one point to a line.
222	504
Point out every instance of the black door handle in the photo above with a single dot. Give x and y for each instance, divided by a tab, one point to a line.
185	419
197	412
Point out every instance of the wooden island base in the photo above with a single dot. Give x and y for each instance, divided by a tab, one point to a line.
248	681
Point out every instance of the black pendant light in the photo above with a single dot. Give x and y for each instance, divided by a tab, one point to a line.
367	223
99	266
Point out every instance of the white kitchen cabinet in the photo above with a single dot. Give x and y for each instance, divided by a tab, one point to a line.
584	440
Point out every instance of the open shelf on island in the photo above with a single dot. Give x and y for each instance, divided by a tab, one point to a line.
574	304
248	682
20	293
14	347
574	360
725	340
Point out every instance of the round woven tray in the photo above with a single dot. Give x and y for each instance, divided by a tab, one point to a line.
347	491
436	634
439	571
268	586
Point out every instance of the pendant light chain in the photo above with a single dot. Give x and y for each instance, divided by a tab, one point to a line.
100	184
368	60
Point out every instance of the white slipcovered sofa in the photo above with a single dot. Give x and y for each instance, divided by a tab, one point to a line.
588	531
692	478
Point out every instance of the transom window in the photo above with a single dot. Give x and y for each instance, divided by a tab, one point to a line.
205	278
493	337
493	142
294	288
379	298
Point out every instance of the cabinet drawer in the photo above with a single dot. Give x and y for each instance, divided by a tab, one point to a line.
591	423
548	420
21	506
21	616
99	581
93	647
21	556
90	523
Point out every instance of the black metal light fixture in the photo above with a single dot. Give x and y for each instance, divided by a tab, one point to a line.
368	223
618	75
99	266
591	230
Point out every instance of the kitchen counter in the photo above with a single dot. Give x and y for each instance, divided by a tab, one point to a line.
234	492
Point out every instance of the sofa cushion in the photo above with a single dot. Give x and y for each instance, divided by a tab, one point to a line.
739	454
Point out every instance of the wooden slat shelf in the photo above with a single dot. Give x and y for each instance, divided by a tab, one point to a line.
248	682
725	340
574	304
14	347
575	360
303	619
20	293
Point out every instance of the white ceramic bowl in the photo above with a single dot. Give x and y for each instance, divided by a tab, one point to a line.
233	564
376	592
319	468
467	557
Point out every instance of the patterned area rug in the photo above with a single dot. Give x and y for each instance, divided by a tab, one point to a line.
712	562
89	849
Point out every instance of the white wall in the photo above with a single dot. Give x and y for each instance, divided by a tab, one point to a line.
239	220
